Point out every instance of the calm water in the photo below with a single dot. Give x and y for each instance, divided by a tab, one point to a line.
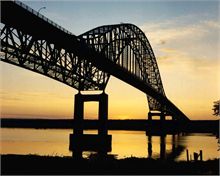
124	143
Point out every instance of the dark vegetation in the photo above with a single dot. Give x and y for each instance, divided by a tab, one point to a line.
216	108
33	164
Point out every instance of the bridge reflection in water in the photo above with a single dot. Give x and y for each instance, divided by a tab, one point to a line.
55	142
176	149
153	150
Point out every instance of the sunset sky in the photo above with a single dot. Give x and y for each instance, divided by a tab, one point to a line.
185	38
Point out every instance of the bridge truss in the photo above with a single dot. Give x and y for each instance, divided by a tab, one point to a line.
84	62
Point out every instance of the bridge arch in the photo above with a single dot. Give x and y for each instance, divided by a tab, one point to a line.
84	62
127	46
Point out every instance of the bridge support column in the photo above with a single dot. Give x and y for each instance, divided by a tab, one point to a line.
89	142
149	116
103	114
162	115
78	114
161	126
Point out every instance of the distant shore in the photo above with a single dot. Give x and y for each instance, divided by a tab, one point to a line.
193	126
34	164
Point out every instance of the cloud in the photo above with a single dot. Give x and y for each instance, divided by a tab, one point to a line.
195	42
188	56
34	104
168	50
164	34
212	24
162	42
31	97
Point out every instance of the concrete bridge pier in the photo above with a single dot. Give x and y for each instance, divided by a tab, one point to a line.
164	125
101	142
78	114
162	115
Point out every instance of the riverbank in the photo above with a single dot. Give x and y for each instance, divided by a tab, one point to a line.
193	126
34	164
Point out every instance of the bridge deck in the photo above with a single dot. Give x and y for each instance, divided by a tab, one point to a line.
40	28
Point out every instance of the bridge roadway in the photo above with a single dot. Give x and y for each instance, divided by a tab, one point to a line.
29	22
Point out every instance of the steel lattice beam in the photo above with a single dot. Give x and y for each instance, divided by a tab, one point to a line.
83	62
128	46
50	60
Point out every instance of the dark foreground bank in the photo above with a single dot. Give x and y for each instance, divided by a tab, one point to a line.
33	164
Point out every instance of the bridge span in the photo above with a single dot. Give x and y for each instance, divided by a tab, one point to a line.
85	62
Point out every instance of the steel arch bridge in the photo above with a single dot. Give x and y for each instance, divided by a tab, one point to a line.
84	62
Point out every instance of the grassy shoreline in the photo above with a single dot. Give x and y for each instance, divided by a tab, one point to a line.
35	164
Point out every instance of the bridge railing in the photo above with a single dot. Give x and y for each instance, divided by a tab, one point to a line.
41	16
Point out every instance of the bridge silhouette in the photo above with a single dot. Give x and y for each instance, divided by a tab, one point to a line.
85	62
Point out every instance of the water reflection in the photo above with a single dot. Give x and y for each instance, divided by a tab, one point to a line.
149	146
124	144
162	147
172	154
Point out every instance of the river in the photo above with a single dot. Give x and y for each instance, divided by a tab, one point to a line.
55	142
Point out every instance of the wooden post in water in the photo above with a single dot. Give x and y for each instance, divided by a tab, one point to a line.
187	155
200	154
